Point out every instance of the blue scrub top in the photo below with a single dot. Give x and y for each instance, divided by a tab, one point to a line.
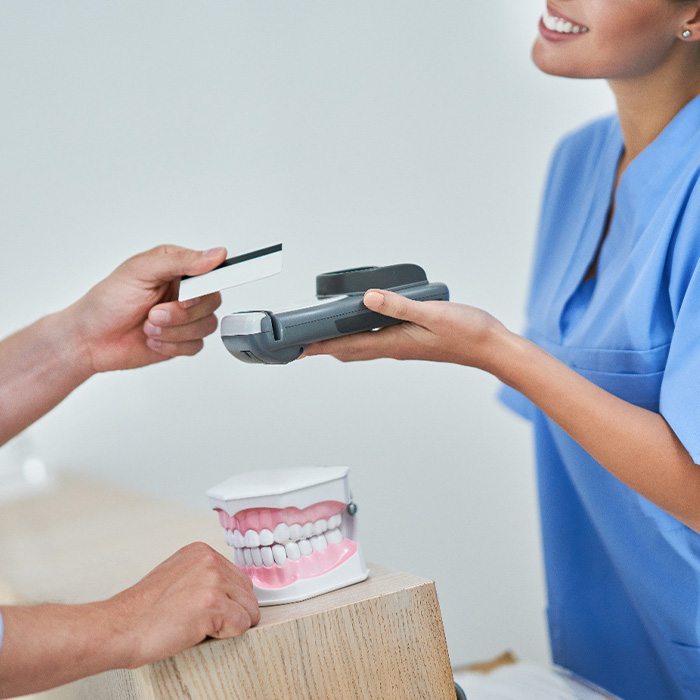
623	576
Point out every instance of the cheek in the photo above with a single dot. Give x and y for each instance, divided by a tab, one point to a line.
611	53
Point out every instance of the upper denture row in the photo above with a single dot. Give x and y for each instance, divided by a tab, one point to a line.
258	519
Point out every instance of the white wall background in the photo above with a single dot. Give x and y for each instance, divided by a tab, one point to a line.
356	132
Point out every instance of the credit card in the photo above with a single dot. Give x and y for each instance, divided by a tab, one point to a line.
239	269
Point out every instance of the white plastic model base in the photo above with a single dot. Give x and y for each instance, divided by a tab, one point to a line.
291	530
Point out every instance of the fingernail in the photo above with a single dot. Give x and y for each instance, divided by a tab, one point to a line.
150	329
214	252
374	299
154	344
159	316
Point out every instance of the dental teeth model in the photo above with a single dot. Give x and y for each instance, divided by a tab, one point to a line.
291	530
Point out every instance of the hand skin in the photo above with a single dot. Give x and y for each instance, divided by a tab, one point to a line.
128	320
194	594
634	444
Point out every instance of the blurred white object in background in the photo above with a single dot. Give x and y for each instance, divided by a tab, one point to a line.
22	472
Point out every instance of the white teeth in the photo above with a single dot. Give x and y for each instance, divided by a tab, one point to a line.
266	554
282	533
280	554
560	25
252	539
319	543
334	536
292	549
266	548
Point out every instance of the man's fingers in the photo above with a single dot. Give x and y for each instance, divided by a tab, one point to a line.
396	306
169	262
168	349
179	313
200	328
247	600
234	620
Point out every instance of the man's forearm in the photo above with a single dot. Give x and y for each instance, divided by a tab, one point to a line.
49	645
39	366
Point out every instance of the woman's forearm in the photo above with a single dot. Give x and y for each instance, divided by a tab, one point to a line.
634	444
39	366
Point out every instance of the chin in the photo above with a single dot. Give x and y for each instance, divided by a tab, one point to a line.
556	65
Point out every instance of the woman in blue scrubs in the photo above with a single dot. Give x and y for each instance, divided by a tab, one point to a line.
608	370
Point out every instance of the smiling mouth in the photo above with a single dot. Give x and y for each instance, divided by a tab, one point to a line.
561	25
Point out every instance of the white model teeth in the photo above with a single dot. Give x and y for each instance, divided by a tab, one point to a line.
293	551
560	25
270	547
279	553
334	536
282	533
319	543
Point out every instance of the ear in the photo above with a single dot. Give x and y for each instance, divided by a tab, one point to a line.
690	18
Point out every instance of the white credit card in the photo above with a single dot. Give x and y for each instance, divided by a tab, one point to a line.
239	269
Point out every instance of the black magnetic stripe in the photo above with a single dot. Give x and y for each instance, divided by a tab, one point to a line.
243	258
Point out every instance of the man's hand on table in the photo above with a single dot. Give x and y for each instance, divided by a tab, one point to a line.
194	594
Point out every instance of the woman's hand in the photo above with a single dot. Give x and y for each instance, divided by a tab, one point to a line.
132	318
435	330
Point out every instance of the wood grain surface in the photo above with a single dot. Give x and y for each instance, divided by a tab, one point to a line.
382	638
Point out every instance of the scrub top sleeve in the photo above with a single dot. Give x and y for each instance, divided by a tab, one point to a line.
516	402
679	401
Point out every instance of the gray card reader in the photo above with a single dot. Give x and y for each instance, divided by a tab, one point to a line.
278	338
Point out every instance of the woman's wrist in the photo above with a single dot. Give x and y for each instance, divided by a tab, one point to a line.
502	352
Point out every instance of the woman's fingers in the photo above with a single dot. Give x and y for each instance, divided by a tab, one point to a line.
362	346
397	306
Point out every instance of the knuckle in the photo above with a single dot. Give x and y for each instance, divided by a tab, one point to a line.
211	324
209	599
194	347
